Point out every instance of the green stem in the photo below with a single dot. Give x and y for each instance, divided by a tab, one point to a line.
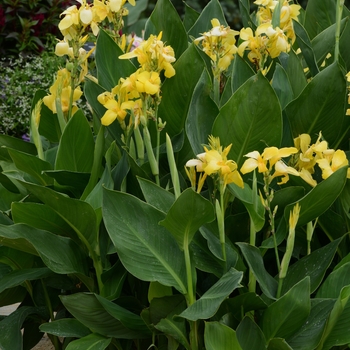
252	241
279	289
339	12
54	338
216	88
150	154
220	214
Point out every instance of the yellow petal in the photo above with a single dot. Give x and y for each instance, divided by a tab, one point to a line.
249	165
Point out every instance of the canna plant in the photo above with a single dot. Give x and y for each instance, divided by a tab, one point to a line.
206	206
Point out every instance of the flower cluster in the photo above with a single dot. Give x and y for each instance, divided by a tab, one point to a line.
61	90
328	160
214	162
270	163
269	40
219	45
137	92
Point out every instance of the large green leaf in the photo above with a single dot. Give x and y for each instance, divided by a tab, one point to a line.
218	336
201	114
65	327
334	283
243	119
90	342
319	16
127	318
252	202
147	250
190	17
109	68
250	336
18	144
32	165
286	315
174	34
177	91
304	44
79	215
282	87
211	10
17	277
241	72
156	195
42	217
10	328
256	264
323	97
292	65
189	212
76	149
86	308
210	301
320	198
336	331
309	335
313	265
60	254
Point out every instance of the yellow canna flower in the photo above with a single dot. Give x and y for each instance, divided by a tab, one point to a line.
214	162
333	163
148	82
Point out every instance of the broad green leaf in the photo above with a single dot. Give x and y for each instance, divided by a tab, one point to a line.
79	215
336	330
210	301
334	283
76	149
177	91
174	35
313	265
244	6
162	312
86	308
242	120
304	44
189	212
309	335
17	144
249	335
278	344
211	10
320	198
343	45
7	198
252	202
241	72
201	113
126	317
319	16
42	217
287	314
282	87
109	67
244	303
324	42
90	342
10	328
75	181
65	327
256	264
31	165
292	65
218	336
60	254
113	281
322	97
190	17
17	277
211	233
147	250
203	257
156	195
